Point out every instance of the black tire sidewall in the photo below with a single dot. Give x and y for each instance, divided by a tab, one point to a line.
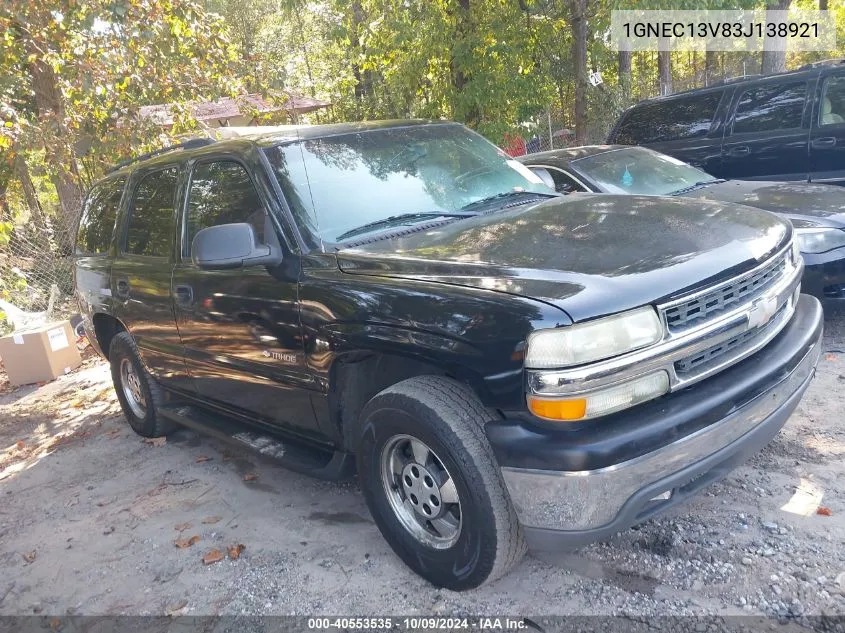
469	562
121	349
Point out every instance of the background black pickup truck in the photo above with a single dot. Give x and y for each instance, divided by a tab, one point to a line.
500	364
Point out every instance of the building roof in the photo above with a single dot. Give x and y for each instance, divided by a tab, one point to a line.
228	107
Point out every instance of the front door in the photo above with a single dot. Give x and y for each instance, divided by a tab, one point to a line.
827	138
240	328
768	136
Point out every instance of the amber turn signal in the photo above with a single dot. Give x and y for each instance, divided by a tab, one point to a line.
558	409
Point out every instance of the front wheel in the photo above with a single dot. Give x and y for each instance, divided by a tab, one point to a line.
433	486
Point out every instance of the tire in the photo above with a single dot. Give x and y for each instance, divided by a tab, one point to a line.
144	420
447	418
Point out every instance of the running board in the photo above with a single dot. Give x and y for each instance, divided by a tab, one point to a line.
329	465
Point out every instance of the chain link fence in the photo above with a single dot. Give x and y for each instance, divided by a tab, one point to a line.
36	270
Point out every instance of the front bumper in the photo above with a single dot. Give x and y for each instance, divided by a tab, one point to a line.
743	408
824	275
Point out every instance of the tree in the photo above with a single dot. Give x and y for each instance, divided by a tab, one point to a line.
80	68
774	53
578	17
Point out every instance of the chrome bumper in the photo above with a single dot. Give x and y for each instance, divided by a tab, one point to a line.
587	501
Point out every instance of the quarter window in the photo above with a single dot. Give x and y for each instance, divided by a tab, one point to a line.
96	226
151	214
669	120
770	108
222	193
832	109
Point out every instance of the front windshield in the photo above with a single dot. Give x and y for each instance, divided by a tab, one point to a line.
338	183
637	170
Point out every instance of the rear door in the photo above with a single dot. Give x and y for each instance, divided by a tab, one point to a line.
240	328
685	126
768	133
140	280
827	137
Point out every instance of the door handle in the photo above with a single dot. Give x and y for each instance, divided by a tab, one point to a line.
184	295
739	150
823	142
123	288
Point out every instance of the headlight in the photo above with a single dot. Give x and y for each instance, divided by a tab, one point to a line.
592	341
819	240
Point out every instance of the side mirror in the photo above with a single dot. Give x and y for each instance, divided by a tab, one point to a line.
231	246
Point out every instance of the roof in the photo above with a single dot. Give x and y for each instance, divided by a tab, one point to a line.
275	136
229	107
568	154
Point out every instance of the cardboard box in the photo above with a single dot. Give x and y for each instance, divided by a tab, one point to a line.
39	353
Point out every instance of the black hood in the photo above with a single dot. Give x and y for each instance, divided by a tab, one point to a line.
805	204
589	254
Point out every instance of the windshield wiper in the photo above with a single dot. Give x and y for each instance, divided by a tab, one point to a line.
402	218
700	183
509	194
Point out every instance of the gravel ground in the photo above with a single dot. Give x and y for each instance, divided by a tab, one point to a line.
90	514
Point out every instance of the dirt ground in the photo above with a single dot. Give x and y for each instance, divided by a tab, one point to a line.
92	516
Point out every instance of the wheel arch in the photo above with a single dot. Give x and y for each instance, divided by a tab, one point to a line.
106	327
355	377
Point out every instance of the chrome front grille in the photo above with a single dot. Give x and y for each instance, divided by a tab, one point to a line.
712	303
711	356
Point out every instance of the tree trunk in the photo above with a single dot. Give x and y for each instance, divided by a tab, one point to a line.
36	213
59	156
664	72
710	64
625	73
822	5
774	52
579	57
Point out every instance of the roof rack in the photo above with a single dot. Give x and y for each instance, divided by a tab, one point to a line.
823	62
189	144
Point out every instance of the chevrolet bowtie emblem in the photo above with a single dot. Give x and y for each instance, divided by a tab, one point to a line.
762	311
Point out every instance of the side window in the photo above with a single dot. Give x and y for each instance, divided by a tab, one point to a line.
150	228
96	226
770	108
673	119
832	109
564	183
222	193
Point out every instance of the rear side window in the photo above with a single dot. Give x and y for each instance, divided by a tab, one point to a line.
96	226
150	228
770	108
222	193
679	118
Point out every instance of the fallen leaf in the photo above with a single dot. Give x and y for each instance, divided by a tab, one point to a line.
830	356
20	444
103	392
174	609
29	557
55	623
824	511
114	434
235	551
77	403
109	530
250	477
211	520
203	458
213	556
155	441
181	527
182	543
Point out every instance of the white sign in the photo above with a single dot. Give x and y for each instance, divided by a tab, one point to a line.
58	338
18	339
595	78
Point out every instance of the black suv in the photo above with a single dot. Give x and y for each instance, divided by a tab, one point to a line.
789	126
499	363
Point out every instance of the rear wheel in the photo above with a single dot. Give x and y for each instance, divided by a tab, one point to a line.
140	396
433	486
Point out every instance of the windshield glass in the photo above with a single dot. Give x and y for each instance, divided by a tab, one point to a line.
338	183
637	170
